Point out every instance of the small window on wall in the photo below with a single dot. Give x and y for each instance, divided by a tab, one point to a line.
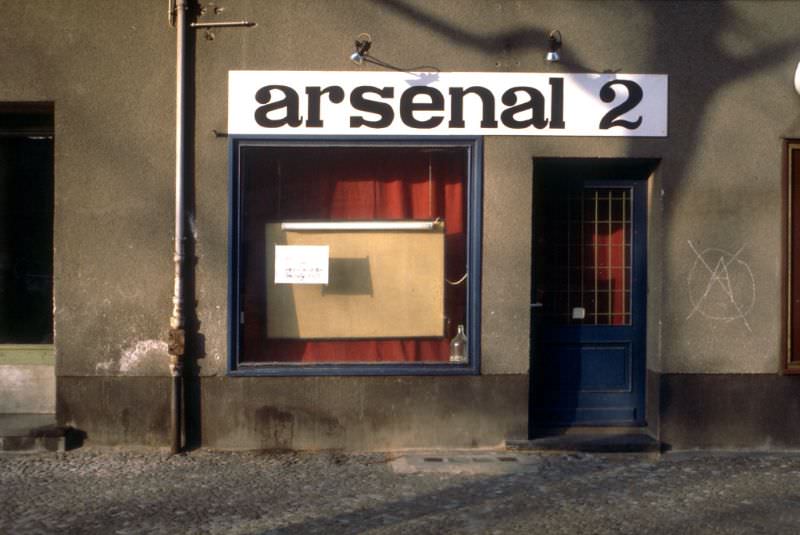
791	361
354	258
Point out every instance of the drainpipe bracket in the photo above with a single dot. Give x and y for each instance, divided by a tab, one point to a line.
176	368
176	342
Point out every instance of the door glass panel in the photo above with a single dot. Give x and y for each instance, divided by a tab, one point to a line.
587	279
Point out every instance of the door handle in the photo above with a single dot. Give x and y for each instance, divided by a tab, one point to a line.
537	305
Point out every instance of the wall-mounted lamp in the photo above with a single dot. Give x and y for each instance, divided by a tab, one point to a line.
362	55
363	44
553	46
797	79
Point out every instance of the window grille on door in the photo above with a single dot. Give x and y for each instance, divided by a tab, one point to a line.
587	266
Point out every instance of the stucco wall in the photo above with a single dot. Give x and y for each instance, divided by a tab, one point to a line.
27	389
109	69
716	193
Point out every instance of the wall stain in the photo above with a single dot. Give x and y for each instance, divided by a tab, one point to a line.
143	356
278	426
143	350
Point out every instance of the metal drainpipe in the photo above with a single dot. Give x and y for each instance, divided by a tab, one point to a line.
177	333
178	15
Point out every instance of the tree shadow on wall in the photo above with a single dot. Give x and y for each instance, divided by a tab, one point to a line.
704	47
689	47
513	39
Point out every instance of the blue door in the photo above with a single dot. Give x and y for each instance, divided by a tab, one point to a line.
588	293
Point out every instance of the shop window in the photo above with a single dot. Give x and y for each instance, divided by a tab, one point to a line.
354	258
791	361
26	225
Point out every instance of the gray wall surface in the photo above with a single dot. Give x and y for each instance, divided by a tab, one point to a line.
110	72
27	389
716	196
716	193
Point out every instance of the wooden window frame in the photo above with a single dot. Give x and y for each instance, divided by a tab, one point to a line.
790	360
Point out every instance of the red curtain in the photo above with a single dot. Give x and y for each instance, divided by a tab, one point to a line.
610	264
346	183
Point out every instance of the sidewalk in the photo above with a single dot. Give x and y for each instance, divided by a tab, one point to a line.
92	490
31	432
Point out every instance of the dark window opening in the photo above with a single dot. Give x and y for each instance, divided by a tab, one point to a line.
26	225
791	361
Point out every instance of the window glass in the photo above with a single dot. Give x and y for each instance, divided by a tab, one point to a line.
586	235
792	361
351	254
26	221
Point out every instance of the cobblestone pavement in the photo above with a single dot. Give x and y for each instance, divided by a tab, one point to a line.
132	491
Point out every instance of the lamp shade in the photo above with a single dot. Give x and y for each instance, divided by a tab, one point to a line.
797	79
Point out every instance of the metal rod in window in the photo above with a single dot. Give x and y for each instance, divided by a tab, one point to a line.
567	244
430	187
610	268
361	225
624	256
594	251
582	218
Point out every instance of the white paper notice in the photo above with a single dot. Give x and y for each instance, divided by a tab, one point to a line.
301	264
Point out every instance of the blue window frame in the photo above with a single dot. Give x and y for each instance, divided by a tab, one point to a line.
254	194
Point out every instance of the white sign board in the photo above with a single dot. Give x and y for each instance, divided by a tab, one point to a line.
454	103
301	264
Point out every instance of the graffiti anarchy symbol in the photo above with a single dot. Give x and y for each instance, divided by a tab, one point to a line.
721	286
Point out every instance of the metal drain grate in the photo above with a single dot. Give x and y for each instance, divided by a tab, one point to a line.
466	463
466	459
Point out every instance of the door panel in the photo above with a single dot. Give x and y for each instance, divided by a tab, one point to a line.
602	367
588	311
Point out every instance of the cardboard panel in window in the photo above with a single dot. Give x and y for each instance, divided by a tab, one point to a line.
382	284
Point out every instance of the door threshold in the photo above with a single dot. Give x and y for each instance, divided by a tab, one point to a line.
591	440
590	430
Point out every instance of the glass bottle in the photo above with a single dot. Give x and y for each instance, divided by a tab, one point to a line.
458	346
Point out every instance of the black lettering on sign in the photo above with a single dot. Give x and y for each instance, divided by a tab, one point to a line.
384	110
557	103
408	106
607	94
290	104
534	106
457	106
335	94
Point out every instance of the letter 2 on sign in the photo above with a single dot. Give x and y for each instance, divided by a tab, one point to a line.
607	94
